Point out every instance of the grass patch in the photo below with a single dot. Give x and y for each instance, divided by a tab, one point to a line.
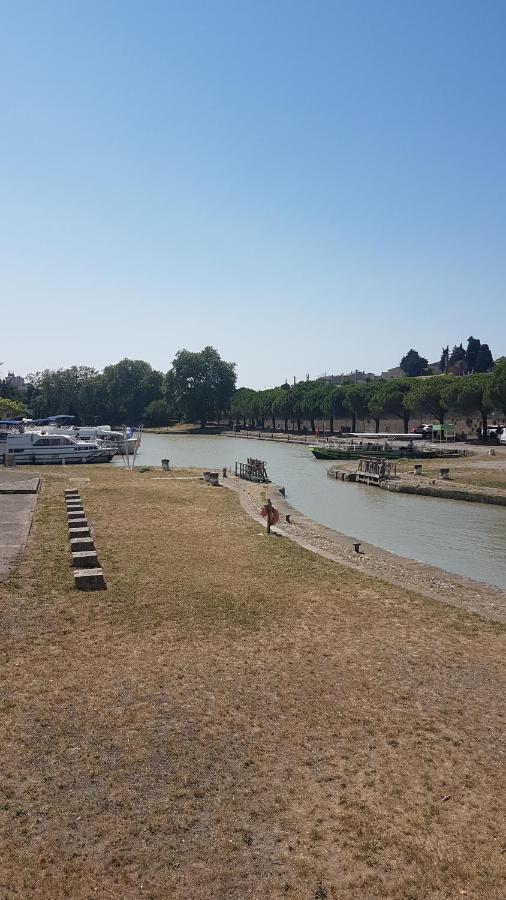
237	717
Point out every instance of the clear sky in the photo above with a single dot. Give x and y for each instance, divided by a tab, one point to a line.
308	186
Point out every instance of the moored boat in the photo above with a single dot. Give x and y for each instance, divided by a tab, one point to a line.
345	453
38	447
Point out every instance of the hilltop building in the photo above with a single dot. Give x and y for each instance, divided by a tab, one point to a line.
16	381
355	377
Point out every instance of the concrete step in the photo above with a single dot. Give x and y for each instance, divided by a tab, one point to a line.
85	559
89	580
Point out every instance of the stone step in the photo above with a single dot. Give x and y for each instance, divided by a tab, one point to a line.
75	514
85	559
82	531
78	523
89	580
80	543
72	492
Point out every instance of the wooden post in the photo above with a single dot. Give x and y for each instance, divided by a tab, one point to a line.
268	507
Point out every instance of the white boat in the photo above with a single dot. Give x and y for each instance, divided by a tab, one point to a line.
120	441
36	447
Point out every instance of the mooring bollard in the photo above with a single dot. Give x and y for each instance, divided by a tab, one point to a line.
224	471
282	491
357	546
165	464
287	518
417	469
444	474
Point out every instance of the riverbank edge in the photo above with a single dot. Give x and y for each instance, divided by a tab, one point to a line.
458	491
430	581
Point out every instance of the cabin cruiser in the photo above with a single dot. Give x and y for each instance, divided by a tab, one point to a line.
35	447
124	441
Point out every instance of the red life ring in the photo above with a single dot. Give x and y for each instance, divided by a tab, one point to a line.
274	514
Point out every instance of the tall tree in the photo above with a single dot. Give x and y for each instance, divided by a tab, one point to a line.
333	404
203	383
429	396
282	406
377	401
484	361
396	393
355	400
473	348
413	364
498	385
130	386
243	404
457	355
471	395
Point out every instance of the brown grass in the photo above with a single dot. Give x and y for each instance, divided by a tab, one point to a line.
236	717
479	470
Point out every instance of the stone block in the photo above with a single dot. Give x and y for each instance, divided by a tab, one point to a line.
78	523
82	531
72	492
85	559
89	580
75	514
81	542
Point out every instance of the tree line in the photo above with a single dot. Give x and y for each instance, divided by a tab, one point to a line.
476	358
200	387
197	388
401	398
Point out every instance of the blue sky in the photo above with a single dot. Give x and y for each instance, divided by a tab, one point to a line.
308	186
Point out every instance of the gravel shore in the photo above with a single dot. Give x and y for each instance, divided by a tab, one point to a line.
430	581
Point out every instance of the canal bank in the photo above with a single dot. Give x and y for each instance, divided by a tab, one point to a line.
235	716
430	531
431	581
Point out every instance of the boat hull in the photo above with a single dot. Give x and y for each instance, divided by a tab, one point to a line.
334	453
34	457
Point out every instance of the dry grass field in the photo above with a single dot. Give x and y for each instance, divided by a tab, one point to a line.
236	717
477	470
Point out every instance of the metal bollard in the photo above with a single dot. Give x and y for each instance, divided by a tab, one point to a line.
165	464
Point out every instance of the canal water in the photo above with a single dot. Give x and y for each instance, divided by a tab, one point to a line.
465	538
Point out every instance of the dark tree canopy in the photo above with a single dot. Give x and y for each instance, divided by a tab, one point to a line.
413	364
457	355
484	361
473	348
203	384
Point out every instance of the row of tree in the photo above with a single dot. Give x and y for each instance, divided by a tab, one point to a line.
475	359
200	387
401	398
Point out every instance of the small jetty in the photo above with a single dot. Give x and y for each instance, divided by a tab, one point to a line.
372	471
252	470
369	471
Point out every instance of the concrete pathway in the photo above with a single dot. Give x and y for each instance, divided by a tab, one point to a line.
18	497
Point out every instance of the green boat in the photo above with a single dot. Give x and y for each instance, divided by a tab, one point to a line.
337	453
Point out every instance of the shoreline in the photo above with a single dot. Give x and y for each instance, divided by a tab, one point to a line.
430	581
427	486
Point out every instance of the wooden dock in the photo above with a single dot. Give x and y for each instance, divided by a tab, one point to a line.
253	470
